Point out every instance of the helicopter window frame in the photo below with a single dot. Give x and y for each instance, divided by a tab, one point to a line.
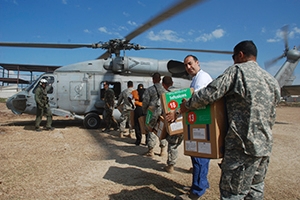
49	85
114	85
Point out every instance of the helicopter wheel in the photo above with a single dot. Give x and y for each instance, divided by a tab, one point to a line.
92	121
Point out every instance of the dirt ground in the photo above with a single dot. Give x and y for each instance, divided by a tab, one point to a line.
71	162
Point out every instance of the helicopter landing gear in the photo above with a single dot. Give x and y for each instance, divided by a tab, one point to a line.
92	121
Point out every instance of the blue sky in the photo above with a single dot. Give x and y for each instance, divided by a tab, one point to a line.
214	24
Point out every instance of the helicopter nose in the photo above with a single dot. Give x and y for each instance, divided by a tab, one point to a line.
16	103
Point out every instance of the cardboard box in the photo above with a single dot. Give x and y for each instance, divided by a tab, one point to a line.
160	128
148	118
205	130
142	124
120	108
171	102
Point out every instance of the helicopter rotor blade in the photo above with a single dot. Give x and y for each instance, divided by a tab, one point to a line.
193	50
269	63
285	30
182	5
46	45
104	55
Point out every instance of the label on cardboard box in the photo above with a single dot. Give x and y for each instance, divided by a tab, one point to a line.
148	116
200	116
171	102
191	145
160	128
177	125
174	99
199	133
204	147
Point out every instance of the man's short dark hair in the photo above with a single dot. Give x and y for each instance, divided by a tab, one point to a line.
247	47
129	84
156	77
194	57
167	80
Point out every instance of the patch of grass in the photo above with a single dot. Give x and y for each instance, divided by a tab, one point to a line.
2	100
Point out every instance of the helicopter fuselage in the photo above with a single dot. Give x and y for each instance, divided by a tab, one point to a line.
76	90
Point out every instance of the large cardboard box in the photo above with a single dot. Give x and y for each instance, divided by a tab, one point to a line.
171	102
160	128
205	130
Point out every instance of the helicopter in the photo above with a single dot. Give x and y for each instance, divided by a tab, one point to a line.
284	75
76	90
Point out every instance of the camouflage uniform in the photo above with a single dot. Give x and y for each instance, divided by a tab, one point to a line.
109	97
127	108
42	107
151	98
173	142
251	97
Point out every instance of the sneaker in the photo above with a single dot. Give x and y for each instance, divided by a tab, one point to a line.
169	168
38	130
187	196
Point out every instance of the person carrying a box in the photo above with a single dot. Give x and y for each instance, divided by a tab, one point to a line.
200	165
251	96
151	100
173	140
125	98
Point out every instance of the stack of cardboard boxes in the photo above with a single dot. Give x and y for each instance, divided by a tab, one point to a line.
204	129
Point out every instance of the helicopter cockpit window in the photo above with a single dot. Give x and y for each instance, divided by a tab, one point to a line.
49	86
115	86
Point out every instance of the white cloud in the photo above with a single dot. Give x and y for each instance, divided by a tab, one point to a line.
165	35
103	29
191	32
86	31
64	2
215	68
132	23
279	35
216	34
126	14
272	40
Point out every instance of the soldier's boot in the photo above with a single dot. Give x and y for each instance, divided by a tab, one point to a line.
132	134
169	168
121	134
163	151
150	153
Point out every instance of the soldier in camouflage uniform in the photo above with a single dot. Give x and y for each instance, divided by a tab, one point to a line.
109	100
173	140
42	106
151	98
251	96
125	98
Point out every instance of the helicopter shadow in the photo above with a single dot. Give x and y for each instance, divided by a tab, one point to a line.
30	124
134	173
131	176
